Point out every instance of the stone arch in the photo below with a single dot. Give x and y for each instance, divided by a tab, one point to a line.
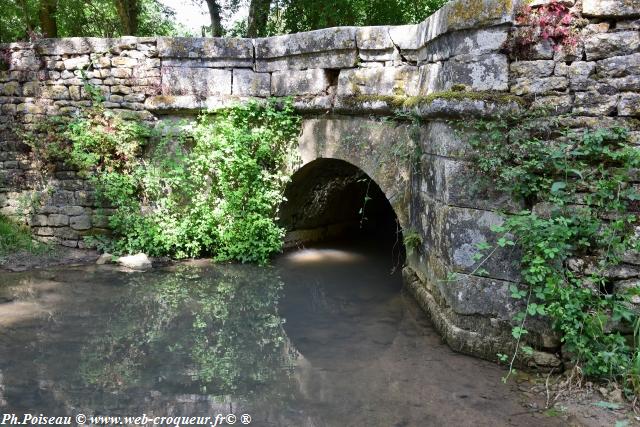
330	198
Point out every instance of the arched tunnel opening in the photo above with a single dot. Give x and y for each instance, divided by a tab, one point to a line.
342	270
333	200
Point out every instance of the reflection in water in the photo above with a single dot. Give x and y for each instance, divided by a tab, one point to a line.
324	338
219	331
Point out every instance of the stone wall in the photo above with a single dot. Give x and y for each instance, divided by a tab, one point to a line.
343	80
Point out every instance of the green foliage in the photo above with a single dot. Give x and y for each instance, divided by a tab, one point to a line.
582	205
14	237
213	190
292	16
79	18
412	241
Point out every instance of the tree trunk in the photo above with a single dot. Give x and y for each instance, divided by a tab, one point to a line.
216	20
258	17
47	12
128	12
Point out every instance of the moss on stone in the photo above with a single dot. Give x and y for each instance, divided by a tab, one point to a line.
464	11
408	102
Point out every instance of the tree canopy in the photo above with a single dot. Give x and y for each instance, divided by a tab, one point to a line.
28	19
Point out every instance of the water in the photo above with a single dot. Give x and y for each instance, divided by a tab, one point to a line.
325	337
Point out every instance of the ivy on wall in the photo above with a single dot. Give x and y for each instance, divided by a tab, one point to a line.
579	223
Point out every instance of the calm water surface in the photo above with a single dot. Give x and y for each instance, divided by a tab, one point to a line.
325	337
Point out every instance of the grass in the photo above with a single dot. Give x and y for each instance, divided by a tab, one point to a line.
15	238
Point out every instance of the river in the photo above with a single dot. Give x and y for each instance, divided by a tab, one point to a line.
325	336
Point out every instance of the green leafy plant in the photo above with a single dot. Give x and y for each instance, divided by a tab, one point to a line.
581	212
15	237
213	190
412	241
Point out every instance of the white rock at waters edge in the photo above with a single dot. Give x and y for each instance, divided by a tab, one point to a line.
135	262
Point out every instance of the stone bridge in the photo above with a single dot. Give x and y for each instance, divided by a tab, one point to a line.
355	88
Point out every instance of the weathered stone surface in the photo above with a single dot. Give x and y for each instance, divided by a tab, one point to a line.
249	83
457	183
629	104
328	39
331	59
373	38
474	42
209	63
401	81
539	86
195	81
138	262
82	222
532	69
58	220
579	74
620	65
204	48
558	104
480	73
299	82
610	8
77	63
595	104
462	230
607	45
472	295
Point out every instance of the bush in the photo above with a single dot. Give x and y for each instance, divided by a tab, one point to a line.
213	190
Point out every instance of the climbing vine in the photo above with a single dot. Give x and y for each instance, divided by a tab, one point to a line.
579	224
211	188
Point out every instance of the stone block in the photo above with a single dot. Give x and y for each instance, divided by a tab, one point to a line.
595	104
202	82
610	8
471	295
331	59
31	89
457	183
619	66
39	221
560	104
532	69
71	210
123	61
164	102
82	222
579	74
299	82
58	220
10	89
479	73
55	92
539	86
205	48
374	38
402	81
324	40
250	83
629	105
467	42
462	229
607	45
77	63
